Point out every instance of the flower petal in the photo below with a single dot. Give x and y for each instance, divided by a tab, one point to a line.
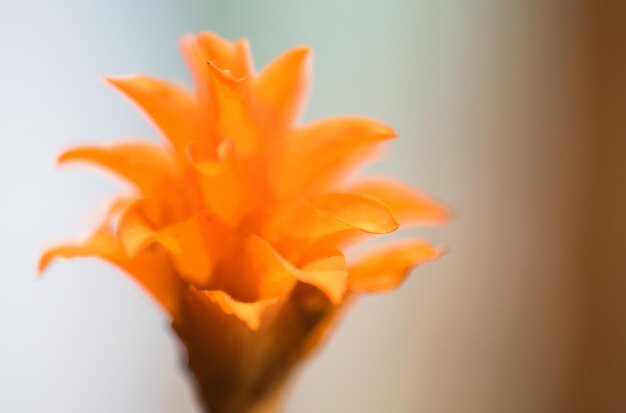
388	267
174	110
249	313
101	244
407	205
196	245
231	56
359	212
322	152
145	165
324	270
135	226
232	118
224	191
261	272
334	213
329	274
279	88
150	267
222	70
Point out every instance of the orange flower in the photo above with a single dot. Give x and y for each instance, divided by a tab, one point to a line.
241	218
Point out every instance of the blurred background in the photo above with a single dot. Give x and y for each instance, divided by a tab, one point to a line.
512	112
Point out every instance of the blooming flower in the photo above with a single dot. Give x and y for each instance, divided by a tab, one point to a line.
241	218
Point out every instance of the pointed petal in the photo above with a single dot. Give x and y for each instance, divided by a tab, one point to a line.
174	110
322	153
334	213
221	70
388	267
232	117
365	214
407	205
231	56
150	268
145	165
250	313
101	244
280	87
99	241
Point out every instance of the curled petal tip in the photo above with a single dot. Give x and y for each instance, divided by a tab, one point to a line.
61	159
225	74
44	262
67	156
70	155
49	256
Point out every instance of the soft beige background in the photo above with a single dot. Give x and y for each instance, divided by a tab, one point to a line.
498	113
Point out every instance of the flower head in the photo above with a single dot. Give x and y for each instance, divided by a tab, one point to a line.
241	218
